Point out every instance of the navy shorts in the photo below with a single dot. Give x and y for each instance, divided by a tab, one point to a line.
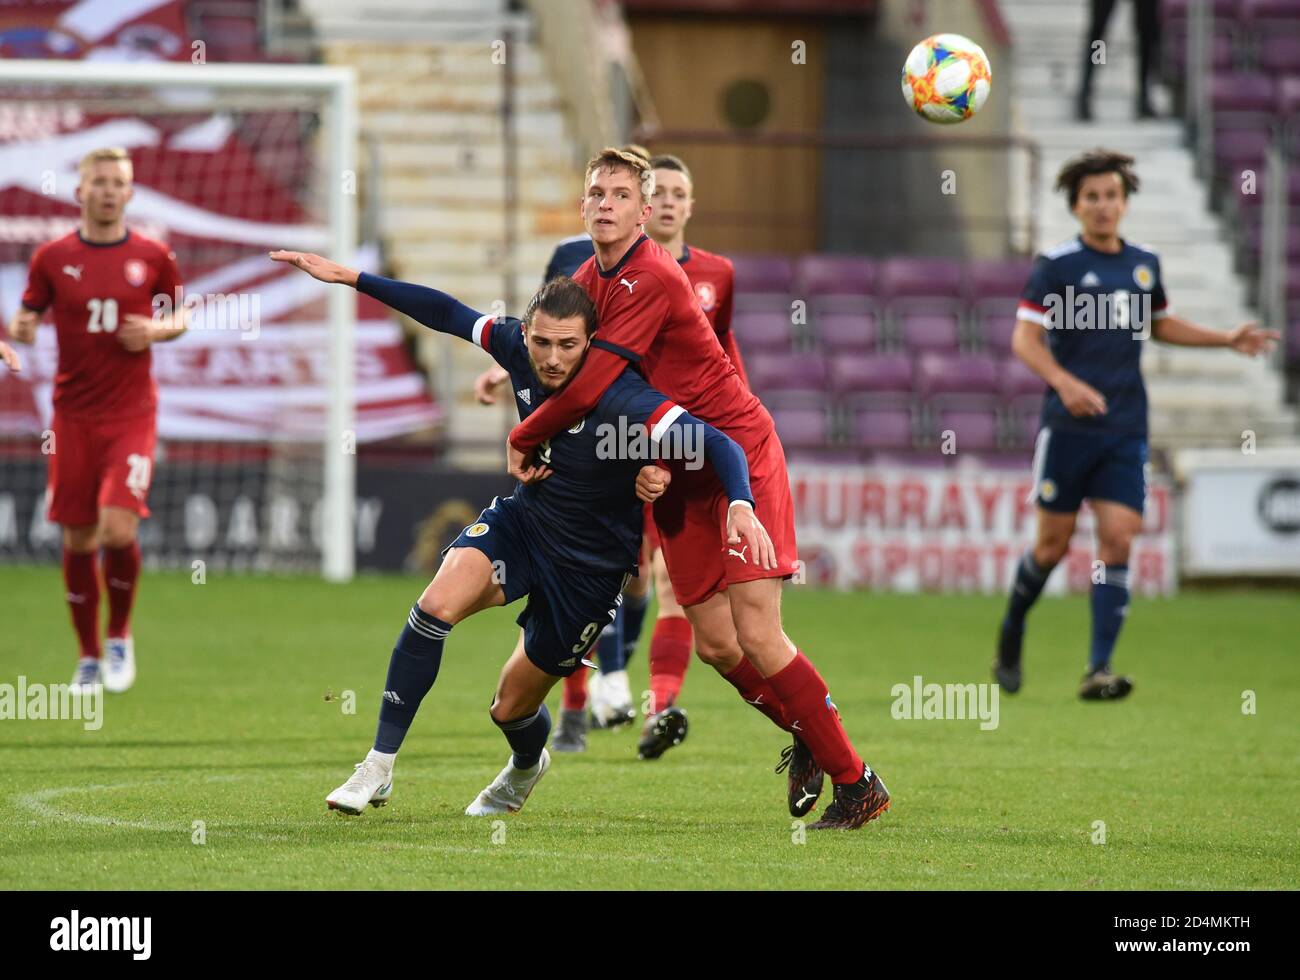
566	609
1072	466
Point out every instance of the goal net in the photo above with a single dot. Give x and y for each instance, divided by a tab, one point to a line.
257	430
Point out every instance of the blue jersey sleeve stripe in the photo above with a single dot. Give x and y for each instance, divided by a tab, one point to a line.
622	352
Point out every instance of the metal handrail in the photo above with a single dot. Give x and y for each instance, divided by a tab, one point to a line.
862	141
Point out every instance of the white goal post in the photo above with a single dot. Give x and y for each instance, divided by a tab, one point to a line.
335	90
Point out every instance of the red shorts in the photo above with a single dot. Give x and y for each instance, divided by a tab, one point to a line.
650	533
692	522
94	465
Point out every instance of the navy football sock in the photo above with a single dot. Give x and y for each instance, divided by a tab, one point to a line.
527	737
633	612
412	669
1109	605
609	646
1029	583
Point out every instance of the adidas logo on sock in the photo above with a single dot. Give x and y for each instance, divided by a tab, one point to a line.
391	696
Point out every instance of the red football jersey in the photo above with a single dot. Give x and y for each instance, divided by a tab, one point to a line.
649	314
92	288
713	278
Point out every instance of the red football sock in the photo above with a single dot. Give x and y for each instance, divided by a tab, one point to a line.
82	581
757	691
121	572
670	655
812	714
575	690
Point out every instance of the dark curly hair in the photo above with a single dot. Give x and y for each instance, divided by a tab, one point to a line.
1098	161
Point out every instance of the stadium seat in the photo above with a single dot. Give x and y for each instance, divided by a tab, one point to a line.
841	333
763	273
875	375
774	373
920	332
976	431
1242	92
1280	54
881	428
835	275
994	332
763	333
956	378
907	277
1016	379
987	279
802	428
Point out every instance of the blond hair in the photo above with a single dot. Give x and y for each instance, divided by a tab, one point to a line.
615	159
111	153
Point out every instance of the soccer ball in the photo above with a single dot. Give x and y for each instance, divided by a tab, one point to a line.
946	78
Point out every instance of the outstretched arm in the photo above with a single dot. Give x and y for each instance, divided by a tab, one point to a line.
1247	339
431	307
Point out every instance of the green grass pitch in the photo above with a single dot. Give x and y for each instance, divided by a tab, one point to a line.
229	725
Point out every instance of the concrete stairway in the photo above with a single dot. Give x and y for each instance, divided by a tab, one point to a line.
1198	397
431	94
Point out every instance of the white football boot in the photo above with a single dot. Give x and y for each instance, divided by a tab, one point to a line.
371	783
119	664
509	791
611	700
87	678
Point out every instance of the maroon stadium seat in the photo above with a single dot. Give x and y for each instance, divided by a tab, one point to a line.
907	277
845	332
876	374
976	431
767	332
949	379
995	332
1017	379
801	428
1242	92
881	428
835	275
920	332
997	278
763	273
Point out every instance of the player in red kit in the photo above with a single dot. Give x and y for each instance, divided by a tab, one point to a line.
650	316
713	279
99	283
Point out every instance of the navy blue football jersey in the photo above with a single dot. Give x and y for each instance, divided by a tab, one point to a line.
586	514
569	254
1097	308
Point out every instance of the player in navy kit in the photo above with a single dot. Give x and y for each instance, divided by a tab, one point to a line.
1088	306
567	539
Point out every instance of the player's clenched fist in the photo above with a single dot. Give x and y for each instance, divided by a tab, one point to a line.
10	357
23	326
317	266
743	524
651	483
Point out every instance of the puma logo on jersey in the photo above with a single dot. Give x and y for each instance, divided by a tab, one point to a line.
739	554
74	271
629	285
525	395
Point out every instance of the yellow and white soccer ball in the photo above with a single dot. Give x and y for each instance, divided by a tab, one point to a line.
946	78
